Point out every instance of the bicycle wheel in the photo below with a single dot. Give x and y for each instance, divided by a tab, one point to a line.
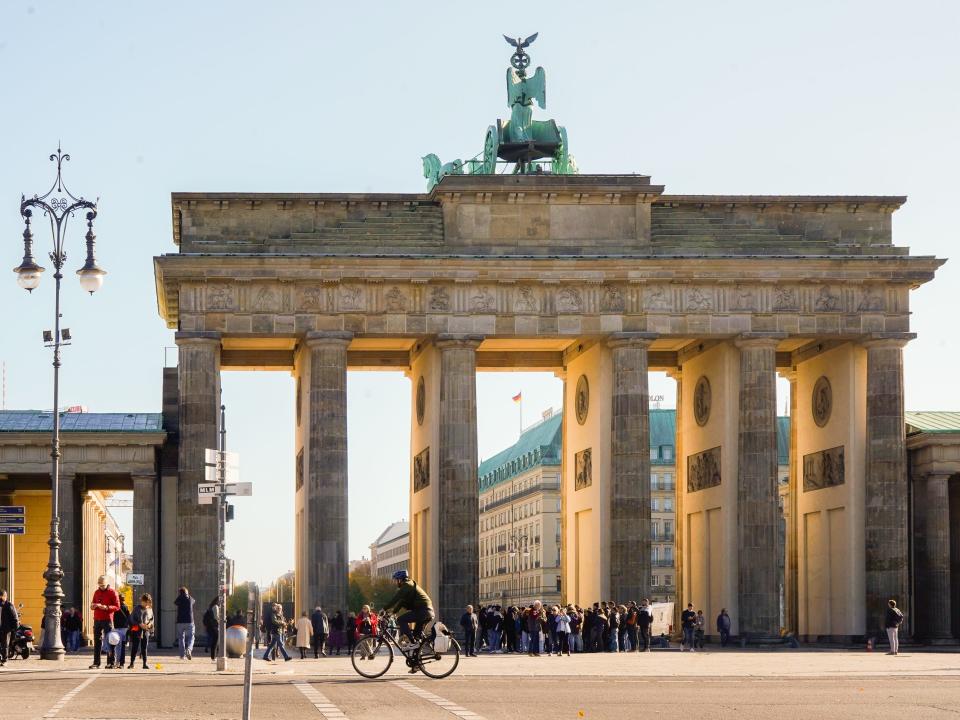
439	664
371	656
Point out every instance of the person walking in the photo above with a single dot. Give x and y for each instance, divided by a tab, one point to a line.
105	604
644	621
893	621
304	634
699	630
469	622
211	624
723	627
321	628
9	622
185	627
688	621
275	625
494	626
141	626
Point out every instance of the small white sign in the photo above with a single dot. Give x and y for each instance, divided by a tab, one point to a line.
244	489
215	457
206	493
134	578
230	474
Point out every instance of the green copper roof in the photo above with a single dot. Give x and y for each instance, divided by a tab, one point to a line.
932	421
538	445
541	445
39	421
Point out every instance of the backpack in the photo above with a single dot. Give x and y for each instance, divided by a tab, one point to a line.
209	619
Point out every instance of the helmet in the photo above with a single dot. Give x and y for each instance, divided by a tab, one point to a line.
401	575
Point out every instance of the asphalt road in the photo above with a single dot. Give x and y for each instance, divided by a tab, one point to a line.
149	695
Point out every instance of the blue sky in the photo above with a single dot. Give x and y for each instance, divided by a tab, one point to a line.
734	97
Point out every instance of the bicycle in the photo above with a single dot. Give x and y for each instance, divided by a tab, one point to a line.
437	654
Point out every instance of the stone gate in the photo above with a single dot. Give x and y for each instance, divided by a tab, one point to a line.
599	278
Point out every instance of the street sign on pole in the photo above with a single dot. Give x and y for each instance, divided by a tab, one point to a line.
212	473
244	489
8	510
12	530
207	492
216	457
13	520
134	578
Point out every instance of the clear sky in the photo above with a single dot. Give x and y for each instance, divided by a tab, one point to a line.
149	98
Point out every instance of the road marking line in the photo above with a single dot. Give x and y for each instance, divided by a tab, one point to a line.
440	702
58	706
319	700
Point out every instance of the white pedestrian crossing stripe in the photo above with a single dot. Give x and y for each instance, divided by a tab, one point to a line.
319	701
52	712
440	702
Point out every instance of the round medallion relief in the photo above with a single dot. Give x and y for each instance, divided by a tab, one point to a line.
421	400
702	401
582	399
822	401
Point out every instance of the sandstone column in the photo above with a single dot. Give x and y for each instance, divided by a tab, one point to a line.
936	565
71	539
146	539
757	500
680	480
791	564
325	531
458	511
630	468
199	385
885	513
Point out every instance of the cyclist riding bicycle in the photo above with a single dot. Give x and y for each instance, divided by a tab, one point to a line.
412	598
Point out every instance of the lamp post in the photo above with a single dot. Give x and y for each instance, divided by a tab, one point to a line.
516	542
58	204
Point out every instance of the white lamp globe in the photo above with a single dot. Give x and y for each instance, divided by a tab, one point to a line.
91	278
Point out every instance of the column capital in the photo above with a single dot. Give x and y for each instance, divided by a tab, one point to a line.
316	338
888	340
197	337
631	339
446	341
788	374
759	340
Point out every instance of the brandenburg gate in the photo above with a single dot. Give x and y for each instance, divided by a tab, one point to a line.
600	279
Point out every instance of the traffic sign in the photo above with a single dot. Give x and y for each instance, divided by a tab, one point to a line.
206	492
211	473
216	457
9	511
134	578
244	489
12	530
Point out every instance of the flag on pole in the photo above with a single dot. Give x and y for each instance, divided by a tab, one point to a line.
518	397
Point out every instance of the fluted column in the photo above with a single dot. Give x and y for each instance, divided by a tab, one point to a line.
458	518
71	538
327	561
630	467
199	383
885	515
145	536
791	563
757	500
936	564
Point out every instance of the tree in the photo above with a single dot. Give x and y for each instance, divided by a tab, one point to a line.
366	590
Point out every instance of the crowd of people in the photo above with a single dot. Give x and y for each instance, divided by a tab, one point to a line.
553	630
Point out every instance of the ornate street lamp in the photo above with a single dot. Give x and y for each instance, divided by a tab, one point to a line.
58	205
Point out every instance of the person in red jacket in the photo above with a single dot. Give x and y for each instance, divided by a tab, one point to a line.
366	622
105	604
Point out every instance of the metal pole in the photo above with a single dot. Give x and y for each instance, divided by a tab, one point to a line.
222	543
248	660
51	648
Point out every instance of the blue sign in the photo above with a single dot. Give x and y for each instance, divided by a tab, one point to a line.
12	529
12	510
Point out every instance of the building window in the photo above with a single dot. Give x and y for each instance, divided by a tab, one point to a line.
668	580
654	455
667	452
668	504
655	504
